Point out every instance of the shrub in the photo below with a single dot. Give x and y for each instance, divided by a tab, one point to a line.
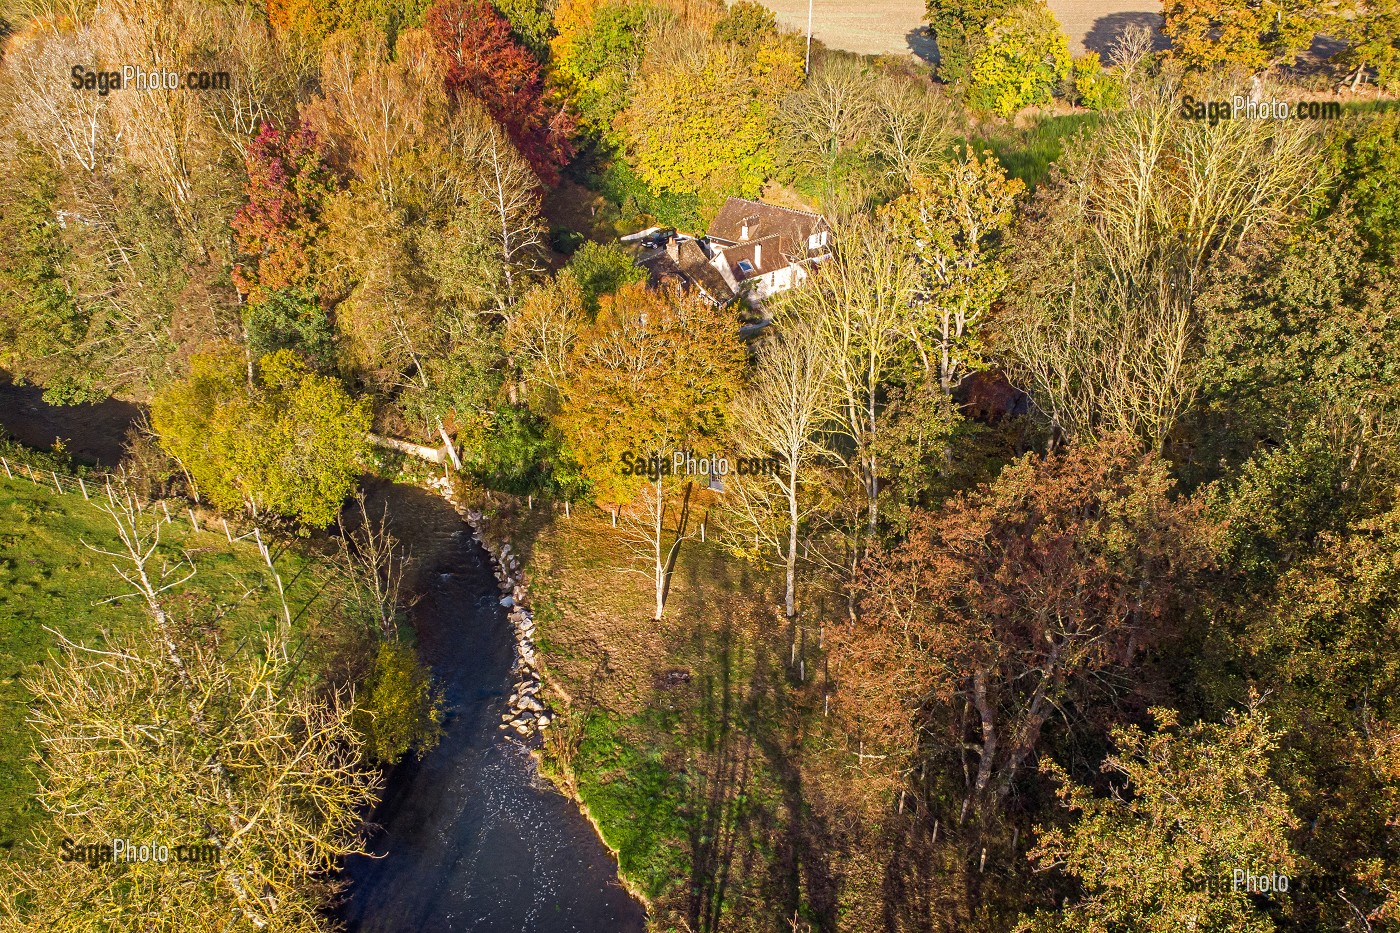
1018	60
400	711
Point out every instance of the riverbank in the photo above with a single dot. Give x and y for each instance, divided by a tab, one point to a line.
471	837
681	739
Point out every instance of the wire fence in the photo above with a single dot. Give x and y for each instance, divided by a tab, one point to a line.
100	485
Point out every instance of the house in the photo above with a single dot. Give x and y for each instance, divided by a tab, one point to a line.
752	250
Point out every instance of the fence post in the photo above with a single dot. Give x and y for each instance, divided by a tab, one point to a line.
226	531
83	487
7	468
56	482
30	470
193	523
166	510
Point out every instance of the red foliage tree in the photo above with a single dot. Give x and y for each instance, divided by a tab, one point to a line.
287	182
1013	602
485	61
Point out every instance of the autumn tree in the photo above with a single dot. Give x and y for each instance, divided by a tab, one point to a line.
701	117
954	222
288	182
1372	31
1253	35
1194	811
597	52
1018	59
653	374
485	61
1009	603
289	444
911	126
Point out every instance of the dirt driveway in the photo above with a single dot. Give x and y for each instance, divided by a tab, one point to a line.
876	26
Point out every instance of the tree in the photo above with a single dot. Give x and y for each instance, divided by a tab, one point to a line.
290	443
540	331
859	300
288	183
1104	328
1008	604
654	374
701	117
1253	34
910	126
1019	59
1372	31
290	319
955	23
485	61
778	421
597	52
225	752
953	222
828	114
1196	815
399	711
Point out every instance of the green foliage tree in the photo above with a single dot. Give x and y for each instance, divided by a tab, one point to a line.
1368	160
955	23
597	50
601	269
288	441
290	319
399	711
1198	808
1019	59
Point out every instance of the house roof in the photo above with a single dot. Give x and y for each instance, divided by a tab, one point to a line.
690	266
764	220
772	256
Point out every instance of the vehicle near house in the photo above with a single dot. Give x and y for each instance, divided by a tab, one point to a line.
751	250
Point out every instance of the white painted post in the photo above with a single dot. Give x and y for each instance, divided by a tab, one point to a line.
226	531
614	518
57	484
193	523
530	503
566	508
166	510
7	468
83	487
702	532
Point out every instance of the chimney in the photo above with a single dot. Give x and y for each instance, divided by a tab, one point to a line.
673	248
758	255
744	230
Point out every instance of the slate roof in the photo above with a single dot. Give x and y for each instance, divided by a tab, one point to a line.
793	227
689	267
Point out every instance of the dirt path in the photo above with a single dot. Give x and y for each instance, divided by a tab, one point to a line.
896	26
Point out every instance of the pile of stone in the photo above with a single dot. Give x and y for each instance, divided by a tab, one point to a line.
527	713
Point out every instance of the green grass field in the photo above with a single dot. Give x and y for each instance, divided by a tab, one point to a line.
50	579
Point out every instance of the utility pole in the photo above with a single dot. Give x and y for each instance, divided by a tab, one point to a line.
807	68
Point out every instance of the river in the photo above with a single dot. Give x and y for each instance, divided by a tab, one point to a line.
469	839
472	838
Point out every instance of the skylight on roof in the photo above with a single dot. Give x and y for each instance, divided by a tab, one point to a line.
745	266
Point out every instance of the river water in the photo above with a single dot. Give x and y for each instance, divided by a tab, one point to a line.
472	838
469	839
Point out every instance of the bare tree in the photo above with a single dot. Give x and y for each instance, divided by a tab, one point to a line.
830	112
374	564
911	126
859	302
778	424
645	531
198	750
1102	327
